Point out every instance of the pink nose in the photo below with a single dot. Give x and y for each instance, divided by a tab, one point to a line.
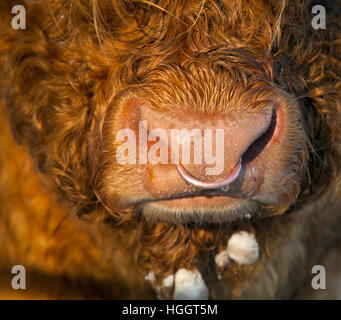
220	161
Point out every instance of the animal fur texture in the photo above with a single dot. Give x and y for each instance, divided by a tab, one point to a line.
64	84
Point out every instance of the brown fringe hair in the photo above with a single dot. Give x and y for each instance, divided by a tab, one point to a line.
59	75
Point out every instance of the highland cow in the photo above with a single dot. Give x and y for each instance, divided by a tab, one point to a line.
86	225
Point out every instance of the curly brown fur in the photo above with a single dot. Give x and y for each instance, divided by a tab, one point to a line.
67	74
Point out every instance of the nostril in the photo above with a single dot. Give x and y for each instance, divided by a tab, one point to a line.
261	142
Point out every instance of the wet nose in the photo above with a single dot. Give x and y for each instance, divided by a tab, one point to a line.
203	150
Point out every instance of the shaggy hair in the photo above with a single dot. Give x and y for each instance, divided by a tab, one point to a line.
64	76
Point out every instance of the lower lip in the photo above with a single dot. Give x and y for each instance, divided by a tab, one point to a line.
202	202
